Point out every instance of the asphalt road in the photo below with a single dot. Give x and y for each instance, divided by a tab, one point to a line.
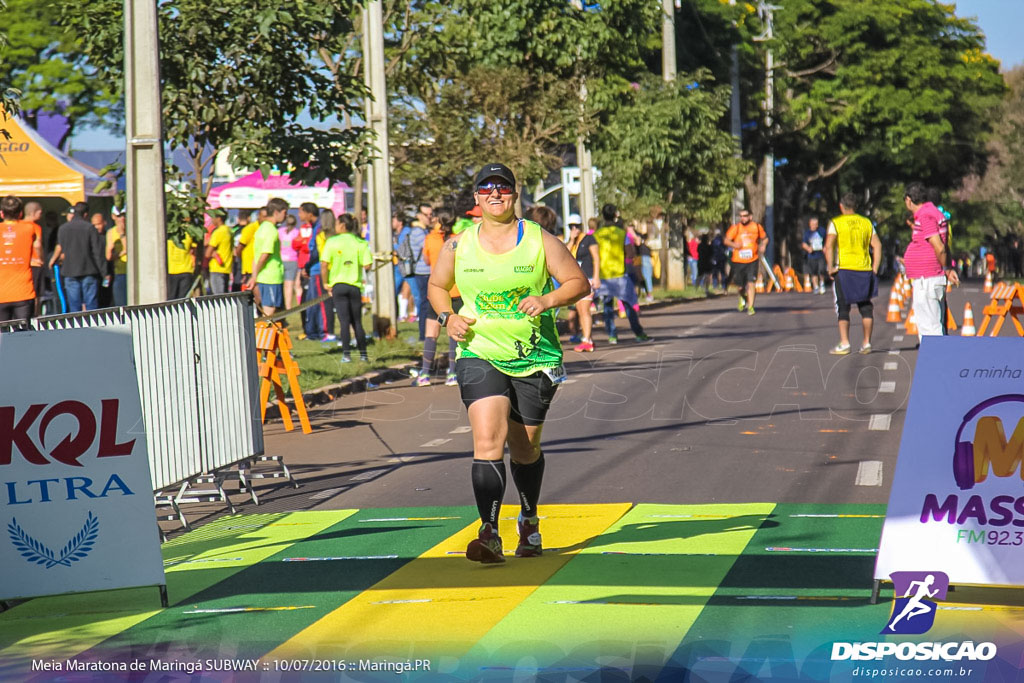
721	407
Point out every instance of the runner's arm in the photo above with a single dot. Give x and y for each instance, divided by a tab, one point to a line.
595	256
442	278
830	244
876	252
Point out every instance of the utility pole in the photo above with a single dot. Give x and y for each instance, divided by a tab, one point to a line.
144	172
588	202
767	17
673	261
738	201
379	210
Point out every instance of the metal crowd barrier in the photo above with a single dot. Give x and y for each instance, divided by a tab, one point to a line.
197	367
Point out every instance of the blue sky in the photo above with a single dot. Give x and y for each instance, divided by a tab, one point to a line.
1000	21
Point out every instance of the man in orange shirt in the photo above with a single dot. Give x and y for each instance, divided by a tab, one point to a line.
18	247
748	241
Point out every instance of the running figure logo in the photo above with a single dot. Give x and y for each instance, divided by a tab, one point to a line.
913	612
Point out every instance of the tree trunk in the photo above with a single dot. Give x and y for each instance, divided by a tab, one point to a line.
755	193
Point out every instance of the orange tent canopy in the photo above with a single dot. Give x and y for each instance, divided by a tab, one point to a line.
32	167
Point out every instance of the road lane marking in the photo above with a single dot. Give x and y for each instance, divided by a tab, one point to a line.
887	388
782	549
894	352
898	338
879	423
891	366
434	443
869	473
464	429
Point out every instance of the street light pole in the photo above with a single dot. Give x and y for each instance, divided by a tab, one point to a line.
673	260
766	11
379	210
144	171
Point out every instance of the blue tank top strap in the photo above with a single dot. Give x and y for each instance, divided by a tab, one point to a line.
519	236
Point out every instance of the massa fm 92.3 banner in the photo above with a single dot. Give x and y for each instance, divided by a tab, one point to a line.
76	505
957	500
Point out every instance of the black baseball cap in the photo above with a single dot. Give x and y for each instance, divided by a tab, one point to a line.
496	171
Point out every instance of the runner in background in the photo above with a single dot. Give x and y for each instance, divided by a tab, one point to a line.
243	250
267	268
858	255
344	259
611	242
748	241
432	247
319	318
814	254
586	253
287	233
19	246
218	257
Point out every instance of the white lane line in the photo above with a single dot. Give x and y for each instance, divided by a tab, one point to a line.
569	381
879	423
898	338
585	375
869	473
464	429
364	476
891	366
894	352
435	442
887	388
710	323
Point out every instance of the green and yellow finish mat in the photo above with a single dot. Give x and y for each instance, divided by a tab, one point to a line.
739	592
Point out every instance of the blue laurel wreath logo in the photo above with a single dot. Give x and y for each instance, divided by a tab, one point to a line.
76	549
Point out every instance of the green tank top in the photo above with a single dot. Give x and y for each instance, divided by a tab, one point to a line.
492	285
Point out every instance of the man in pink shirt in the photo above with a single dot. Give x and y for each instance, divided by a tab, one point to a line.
927	262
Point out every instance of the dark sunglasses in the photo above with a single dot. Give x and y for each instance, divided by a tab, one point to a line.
504	189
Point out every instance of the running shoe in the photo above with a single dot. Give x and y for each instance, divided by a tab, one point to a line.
421	381
584	347
363	358
451	380
529	537
575	339
866	349
750	311
742	304
414	372
643	338
486	547
613	340
345	358
328	338
840	350
302	335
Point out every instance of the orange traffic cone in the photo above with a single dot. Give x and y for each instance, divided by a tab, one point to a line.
894	316
950	320
908	291
789	282
759	285
988	282
807	282
911	324
968	329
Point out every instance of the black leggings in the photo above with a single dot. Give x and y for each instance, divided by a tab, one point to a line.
17	310
348	302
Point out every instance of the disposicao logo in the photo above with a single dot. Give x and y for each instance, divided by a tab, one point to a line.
912	610
913	613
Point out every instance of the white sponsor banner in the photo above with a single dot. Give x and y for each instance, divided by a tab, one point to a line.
957	500
76	507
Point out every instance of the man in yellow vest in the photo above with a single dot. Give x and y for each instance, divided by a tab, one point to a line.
853	253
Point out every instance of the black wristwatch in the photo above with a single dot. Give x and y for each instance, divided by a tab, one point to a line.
442	318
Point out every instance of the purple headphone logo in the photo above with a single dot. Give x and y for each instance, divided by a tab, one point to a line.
971	459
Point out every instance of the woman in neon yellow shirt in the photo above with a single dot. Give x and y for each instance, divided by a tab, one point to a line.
509	360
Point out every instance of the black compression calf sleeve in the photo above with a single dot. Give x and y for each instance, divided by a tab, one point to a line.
489	488
528	479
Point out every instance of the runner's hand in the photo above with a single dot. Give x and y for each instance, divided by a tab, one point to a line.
532	306
953	276
458	326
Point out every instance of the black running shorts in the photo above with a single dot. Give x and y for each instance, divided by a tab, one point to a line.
744	273
530	396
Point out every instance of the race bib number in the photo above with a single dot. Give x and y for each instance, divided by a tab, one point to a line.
746	253
556	375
